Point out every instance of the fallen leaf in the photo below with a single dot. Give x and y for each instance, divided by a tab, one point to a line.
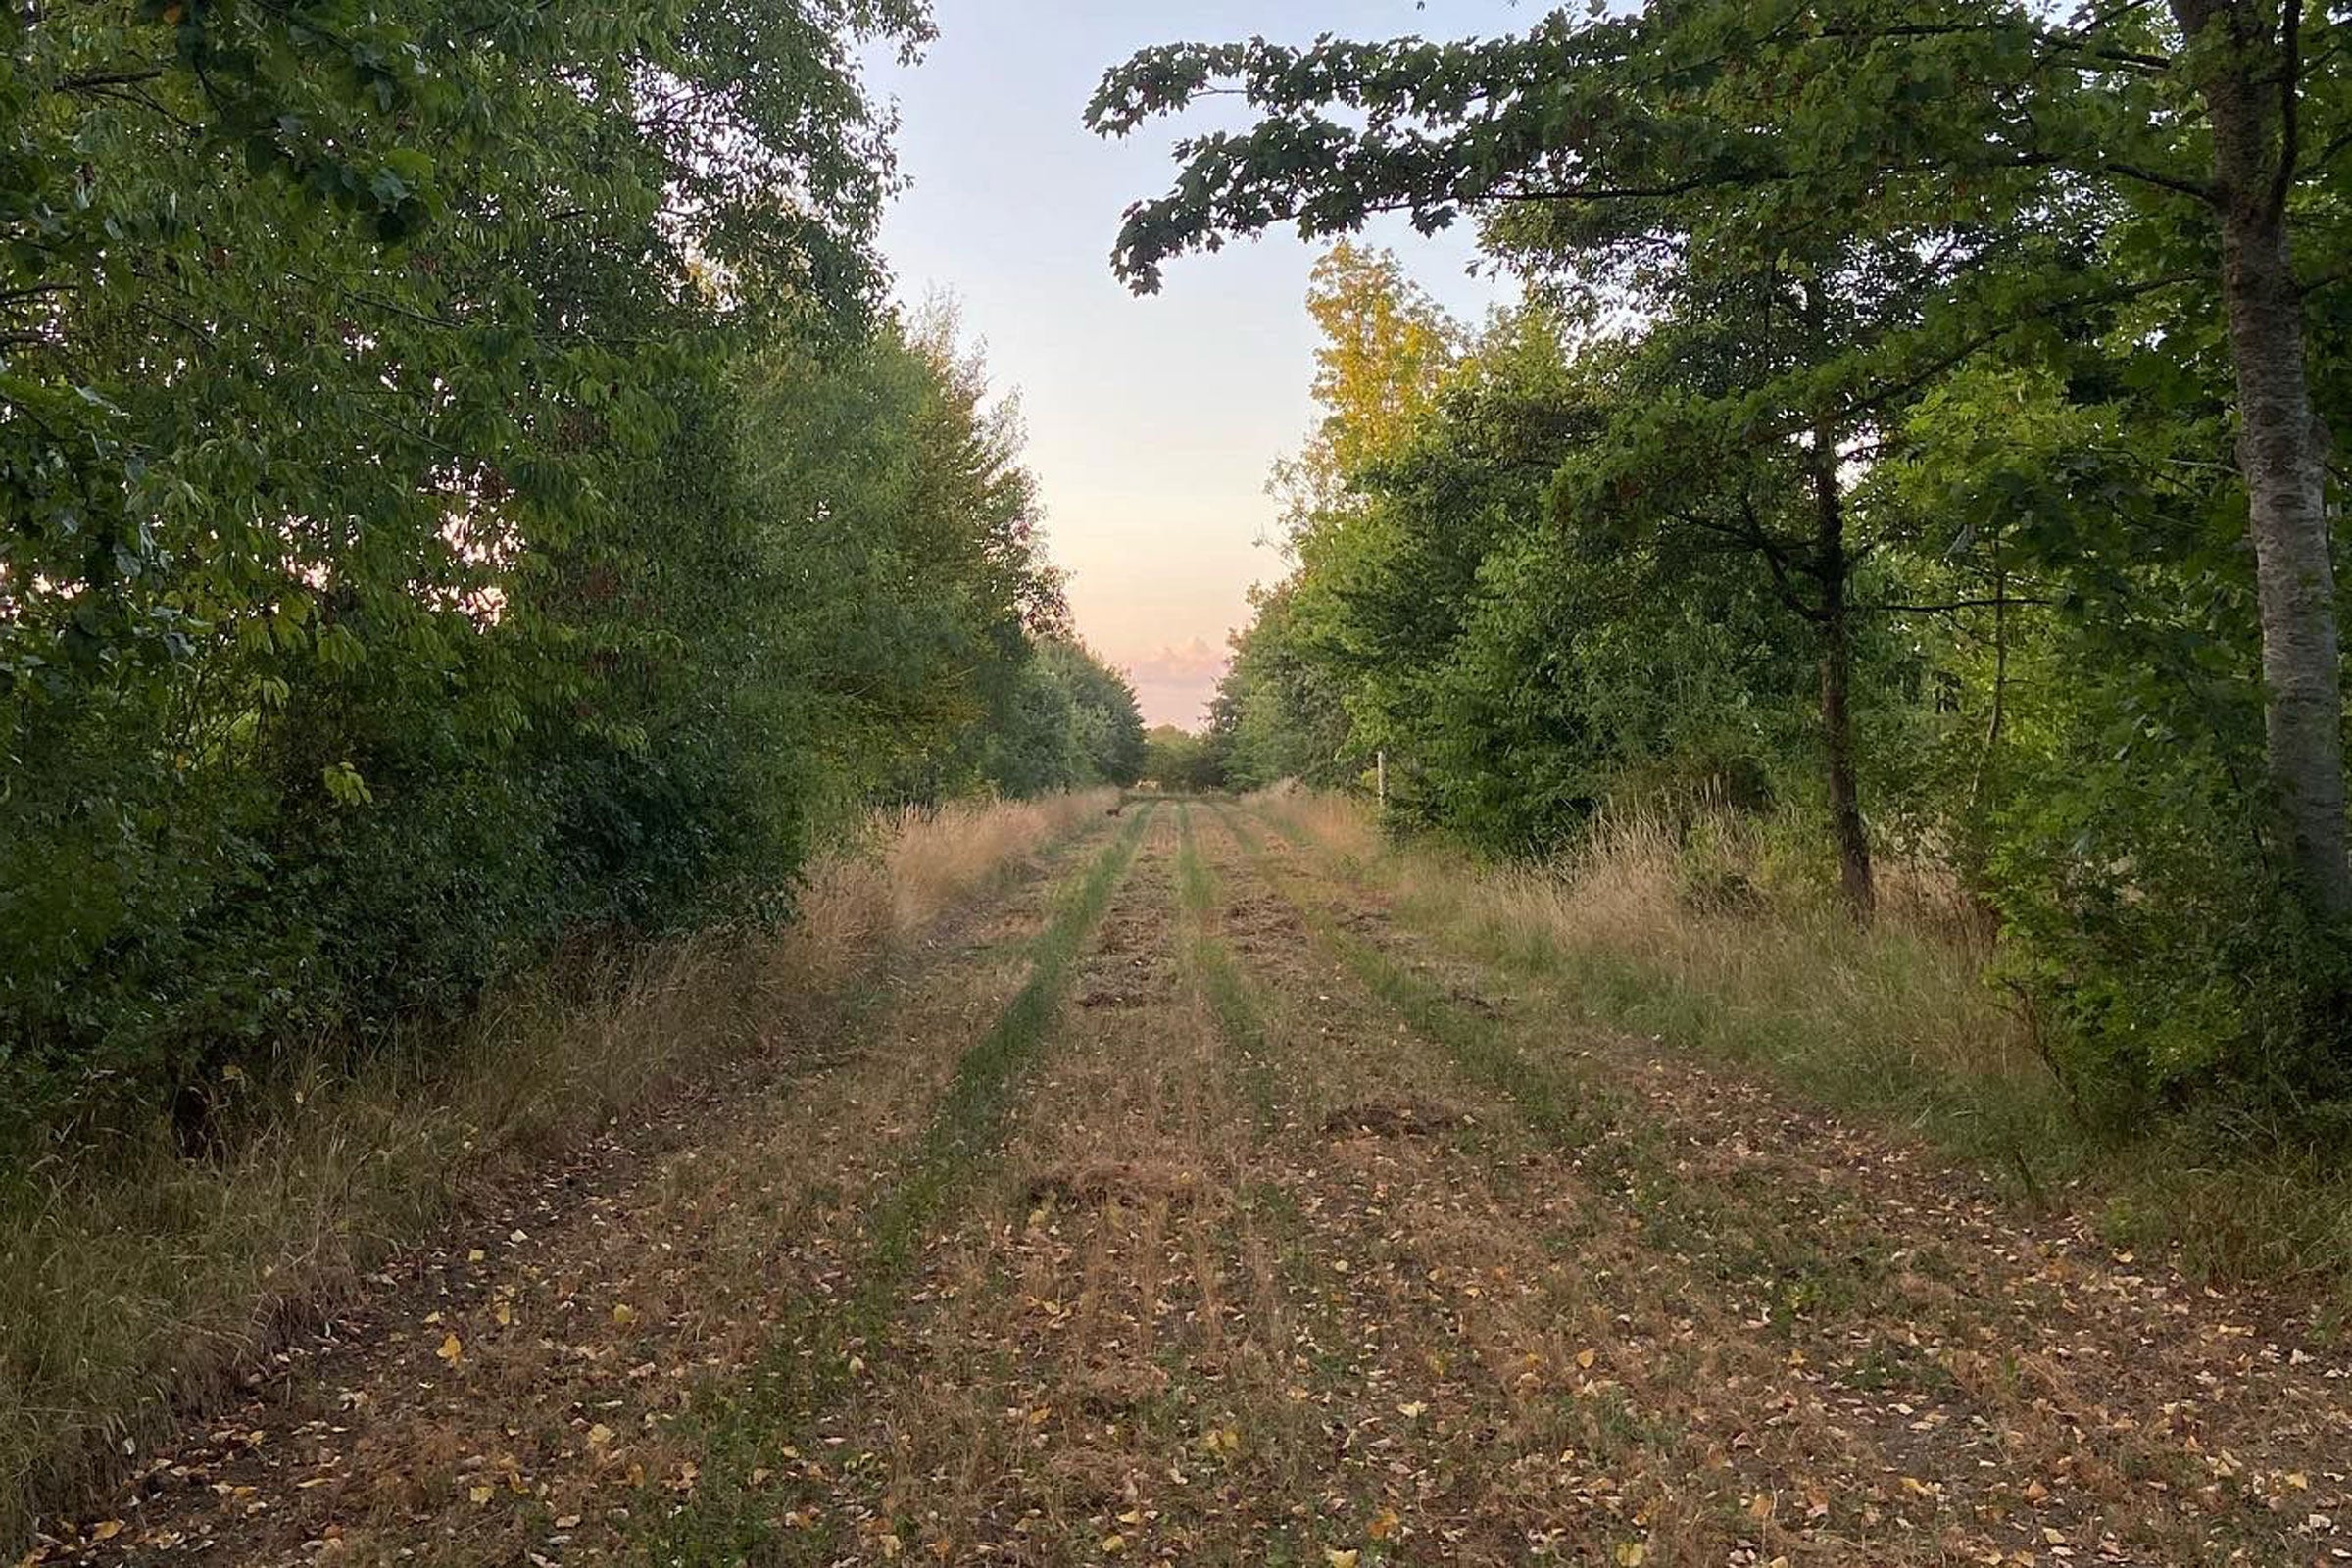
451	1350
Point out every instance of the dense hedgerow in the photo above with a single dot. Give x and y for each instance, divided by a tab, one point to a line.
462	489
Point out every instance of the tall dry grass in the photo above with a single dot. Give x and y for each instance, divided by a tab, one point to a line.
911	866
1902	1001
135	1282
1721	935
1715	933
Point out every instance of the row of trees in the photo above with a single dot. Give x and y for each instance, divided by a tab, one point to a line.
461	487
1917	421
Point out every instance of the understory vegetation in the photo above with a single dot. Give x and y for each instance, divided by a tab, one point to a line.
1902	464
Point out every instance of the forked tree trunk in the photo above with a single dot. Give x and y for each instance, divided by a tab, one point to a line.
1832	566
2280	445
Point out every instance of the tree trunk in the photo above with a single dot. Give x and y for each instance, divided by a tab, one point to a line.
1832	566
2279	447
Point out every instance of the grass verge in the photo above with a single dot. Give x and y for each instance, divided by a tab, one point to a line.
136	1283
1645	933
1239	1020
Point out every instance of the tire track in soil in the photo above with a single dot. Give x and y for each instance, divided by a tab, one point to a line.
1567	1403
2031	1391
997	1414
583	1319
1192	1333
1300	1243
772	1454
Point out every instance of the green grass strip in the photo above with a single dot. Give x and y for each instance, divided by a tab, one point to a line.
745	1426
1561	1109
1232	1001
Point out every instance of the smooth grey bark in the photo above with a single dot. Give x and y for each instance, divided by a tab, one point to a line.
2244	68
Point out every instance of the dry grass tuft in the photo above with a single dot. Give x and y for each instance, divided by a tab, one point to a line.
1343	824
1705	935
1718	936
134	1281
911	866
1711	934
1902	1000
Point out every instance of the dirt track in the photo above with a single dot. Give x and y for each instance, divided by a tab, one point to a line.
1194	1209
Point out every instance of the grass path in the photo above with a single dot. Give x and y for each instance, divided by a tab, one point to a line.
1202	1210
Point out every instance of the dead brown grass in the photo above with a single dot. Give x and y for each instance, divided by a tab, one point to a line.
134	1281
1707	935
1719	937
1895	1329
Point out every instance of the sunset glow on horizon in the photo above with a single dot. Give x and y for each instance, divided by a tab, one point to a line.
1153	421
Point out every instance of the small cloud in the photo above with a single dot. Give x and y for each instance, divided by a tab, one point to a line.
1174	682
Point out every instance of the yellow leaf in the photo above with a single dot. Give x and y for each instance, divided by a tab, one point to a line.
599	1435
1339	1559
1633	1554
475	1256
480	1495
1586	1358
1382	1526
105	1529
451	1350
1113	1543
1760	1506
2035	1491
1413	1411
504	1315
624	1314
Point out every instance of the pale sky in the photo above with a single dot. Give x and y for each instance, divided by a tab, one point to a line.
1153	423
